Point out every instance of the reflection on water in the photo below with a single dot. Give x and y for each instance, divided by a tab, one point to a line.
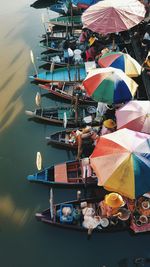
8	210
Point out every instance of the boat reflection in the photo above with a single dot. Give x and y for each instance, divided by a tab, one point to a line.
9	211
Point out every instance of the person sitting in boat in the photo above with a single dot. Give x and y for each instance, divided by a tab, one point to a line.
87	138
111	204
109	126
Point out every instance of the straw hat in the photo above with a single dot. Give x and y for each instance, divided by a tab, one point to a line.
110	124
92	40
114	200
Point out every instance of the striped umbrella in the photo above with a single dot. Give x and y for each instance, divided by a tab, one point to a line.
121	161
109	85
121	61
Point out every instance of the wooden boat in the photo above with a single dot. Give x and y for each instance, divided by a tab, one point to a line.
57	47
74	117
68	92
71	74
52	37
70	173
52	51
59	8
64	27
63	10
67	139
57	35
43	4
68	21
57	65
56	215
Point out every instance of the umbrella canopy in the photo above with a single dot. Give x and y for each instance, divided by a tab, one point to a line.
135	115
121	61
121	161
113	16
109	85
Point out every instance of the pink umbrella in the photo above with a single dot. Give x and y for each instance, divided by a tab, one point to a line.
135	115
113	16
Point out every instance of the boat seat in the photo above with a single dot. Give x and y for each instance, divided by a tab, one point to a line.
61	114
60	173
75	180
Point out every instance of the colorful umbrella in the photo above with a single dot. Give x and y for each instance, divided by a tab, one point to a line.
135	115
113	16
121	161
109	85
121	61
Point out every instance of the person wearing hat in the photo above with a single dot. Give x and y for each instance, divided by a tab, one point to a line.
108	126
111	203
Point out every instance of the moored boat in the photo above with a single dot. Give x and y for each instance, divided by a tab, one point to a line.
80	117
67	21
70	173
68	92
71	74
69	138
72	215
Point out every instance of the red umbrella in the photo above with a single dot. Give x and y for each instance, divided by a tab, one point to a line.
113	16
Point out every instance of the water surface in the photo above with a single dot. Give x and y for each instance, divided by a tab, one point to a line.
23	241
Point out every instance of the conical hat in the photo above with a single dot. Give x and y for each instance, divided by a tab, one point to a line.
110	124
114	200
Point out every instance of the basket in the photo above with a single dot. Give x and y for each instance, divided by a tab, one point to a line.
68	218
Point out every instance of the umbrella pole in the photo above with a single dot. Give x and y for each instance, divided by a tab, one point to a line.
76	110
113	43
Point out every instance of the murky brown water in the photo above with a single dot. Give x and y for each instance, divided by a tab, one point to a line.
23	241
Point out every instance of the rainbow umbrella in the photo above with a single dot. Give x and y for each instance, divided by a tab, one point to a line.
121	61
109	85
135	115
121	161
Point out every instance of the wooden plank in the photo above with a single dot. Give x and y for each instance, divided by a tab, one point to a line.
60	172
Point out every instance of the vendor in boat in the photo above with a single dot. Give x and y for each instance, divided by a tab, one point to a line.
111	204
86	141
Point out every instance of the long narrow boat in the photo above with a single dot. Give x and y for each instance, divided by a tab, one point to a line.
68	92
50	35
63	139
70	215
70	21
57	47
68	139
47	65
84	115
51	50
63	10
70	173
70	74
62	27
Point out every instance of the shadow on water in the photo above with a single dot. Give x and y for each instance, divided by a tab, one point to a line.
16	57
8	81
10	32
